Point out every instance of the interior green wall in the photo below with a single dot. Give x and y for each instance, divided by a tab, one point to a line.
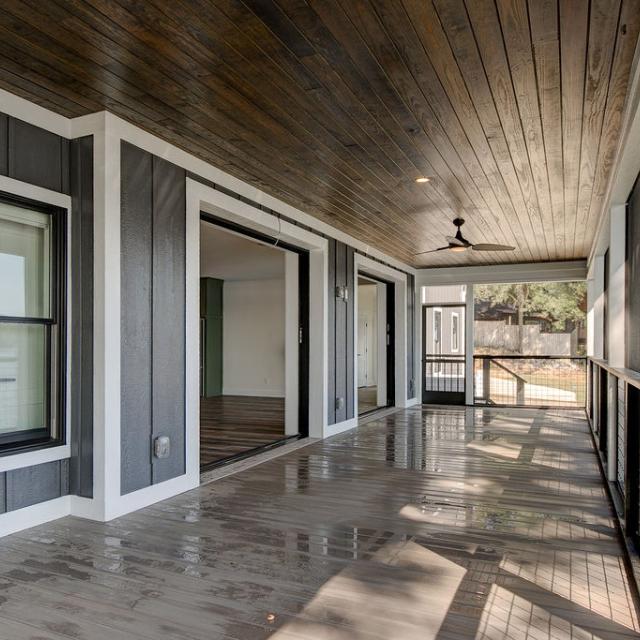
211	311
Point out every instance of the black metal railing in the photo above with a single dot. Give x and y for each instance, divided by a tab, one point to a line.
530	381
613	410
444	373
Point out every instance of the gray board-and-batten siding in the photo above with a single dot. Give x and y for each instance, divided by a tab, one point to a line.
41	158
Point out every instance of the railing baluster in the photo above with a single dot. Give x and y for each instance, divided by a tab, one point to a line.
513	380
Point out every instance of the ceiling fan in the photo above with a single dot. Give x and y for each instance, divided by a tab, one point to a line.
459	243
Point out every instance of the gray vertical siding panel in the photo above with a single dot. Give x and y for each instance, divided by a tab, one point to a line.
3	492
341	333
168	317
350	380
81	254
4	144
41	158
331	347
136	325
32	485
65	162
411	335
37	156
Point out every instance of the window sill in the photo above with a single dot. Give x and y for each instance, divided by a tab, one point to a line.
22	459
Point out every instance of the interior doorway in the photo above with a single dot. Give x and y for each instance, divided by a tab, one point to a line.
254	314
374	344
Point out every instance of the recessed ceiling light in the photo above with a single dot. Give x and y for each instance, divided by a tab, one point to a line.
422	179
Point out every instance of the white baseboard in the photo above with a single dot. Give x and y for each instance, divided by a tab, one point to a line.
34	515
412	402
258	393
88	508
340	427
150	495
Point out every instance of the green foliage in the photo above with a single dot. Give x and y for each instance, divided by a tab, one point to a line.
557	302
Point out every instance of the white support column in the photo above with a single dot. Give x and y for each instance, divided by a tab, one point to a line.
616	347
469	342
595	306
617	289
612	419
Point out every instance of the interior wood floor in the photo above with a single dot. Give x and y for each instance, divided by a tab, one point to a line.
230	425
427	524
367	399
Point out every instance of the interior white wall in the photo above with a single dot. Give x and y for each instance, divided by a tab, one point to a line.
372	302
227	255
368	310
253	346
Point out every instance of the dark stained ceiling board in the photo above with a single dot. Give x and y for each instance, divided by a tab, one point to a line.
512	108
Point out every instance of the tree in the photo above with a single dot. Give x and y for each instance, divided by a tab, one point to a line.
557	302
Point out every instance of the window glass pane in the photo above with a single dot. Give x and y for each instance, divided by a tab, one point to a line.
24	262
22	377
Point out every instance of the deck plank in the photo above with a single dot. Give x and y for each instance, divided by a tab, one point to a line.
431	523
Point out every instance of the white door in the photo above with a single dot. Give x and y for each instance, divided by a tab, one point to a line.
363	354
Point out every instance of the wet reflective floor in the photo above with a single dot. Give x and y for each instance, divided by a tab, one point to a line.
426	524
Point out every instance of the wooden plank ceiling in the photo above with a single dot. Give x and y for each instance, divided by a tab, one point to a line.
511	108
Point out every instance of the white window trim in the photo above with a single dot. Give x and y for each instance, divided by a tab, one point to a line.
456	315
12	461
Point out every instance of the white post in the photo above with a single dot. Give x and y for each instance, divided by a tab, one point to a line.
616	288
612	419
469	342
616	348
596	311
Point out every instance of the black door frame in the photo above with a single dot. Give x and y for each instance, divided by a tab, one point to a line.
390	292
303	328
444	397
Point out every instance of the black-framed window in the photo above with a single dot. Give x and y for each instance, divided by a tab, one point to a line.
32	324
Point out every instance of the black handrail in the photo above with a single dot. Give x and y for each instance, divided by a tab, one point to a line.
516	396
526	357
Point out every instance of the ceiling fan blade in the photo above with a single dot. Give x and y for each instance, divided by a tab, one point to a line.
432	251
454	240
492	247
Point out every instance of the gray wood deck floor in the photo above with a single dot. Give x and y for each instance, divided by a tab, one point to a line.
430	523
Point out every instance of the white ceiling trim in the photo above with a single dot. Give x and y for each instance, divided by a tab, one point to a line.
566	271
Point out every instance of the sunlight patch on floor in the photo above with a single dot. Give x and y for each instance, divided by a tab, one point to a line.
594	581
498	447
507	616
405	591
